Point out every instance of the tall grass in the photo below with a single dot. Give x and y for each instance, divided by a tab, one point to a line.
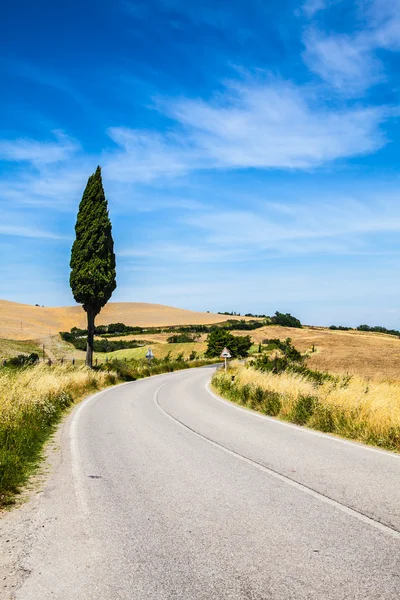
347	406
31	403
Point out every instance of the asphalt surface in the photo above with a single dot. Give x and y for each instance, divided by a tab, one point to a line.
167	492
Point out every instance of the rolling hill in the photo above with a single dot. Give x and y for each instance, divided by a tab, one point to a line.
27	322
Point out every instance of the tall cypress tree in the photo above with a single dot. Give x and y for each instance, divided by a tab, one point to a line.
92	277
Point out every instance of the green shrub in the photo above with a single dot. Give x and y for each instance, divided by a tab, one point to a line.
272	403
303	409
323	418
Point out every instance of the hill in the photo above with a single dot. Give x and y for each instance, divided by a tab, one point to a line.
371	355
27	322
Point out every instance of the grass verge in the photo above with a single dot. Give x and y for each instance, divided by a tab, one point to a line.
346	406
32	401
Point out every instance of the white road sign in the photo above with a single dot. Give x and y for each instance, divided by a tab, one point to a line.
225	353
149	354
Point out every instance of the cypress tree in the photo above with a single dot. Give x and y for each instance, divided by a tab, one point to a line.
92	277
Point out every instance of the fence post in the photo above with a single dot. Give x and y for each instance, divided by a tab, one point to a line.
73	361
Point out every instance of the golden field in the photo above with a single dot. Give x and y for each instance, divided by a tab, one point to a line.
370	355
27	322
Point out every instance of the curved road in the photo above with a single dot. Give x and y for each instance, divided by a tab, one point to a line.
166	492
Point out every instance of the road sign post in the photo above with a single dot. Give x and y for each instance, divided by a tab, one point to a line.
149	355
225	354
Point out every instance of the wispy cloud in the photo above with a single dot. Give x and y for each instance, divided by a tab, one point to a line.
252	124
28	231
38	153
344	61
349	62
311	7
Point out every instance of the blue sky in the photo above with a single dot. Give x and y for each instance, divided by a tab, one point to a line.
249	152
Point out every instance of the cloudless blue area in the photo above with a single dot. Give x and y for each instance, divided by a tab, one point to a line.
249	152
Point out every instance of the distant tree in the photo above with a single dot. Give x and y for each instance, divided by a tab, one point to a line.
286	320
92	277
219	338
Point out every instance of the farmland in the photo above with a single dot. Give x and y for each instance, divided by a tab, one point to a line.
24	329
27	322
370	355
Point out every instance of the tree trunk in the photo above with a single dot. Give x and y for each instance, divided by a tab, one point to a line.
90	338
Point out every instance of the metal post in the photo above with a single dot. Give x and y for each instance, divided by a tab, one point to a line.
225	365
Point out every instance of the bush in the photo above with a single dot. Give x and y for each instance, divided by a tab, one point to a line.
219	338
303	409
182	338
272	403
286	320
23	360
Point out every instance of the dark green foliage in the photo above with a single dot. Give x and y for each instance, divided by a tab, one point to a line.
220	338
92	264
378	329
92	277
182	338
286	320
322	418
272	403
102	345
303	409
116	328
292	360
278	364
374	329
23	360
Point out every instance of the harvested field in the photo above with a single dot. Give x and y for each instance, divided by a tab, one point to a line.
370	355
27	322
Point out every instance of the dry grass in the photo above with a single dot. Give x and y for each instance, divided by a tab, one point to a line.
9	348
369	355
350	407
31	403
23	321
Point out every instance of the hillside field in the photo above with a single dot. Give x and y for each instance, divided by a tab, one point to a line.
27	322
24	328
370	355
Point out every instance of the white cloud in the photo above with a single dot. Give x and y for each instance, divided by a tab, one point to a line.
38	153
345	62
27	231
349	62
145	155
311	7
254	124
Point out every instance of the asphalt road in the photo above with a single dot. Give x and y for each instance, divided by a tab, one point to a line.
166	492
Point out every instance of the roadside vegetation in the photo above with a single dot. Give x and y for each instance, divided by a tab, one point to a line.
32	400
34	397
281	385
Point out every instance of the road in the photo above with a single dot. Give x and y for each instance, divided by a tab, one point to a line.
166	492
